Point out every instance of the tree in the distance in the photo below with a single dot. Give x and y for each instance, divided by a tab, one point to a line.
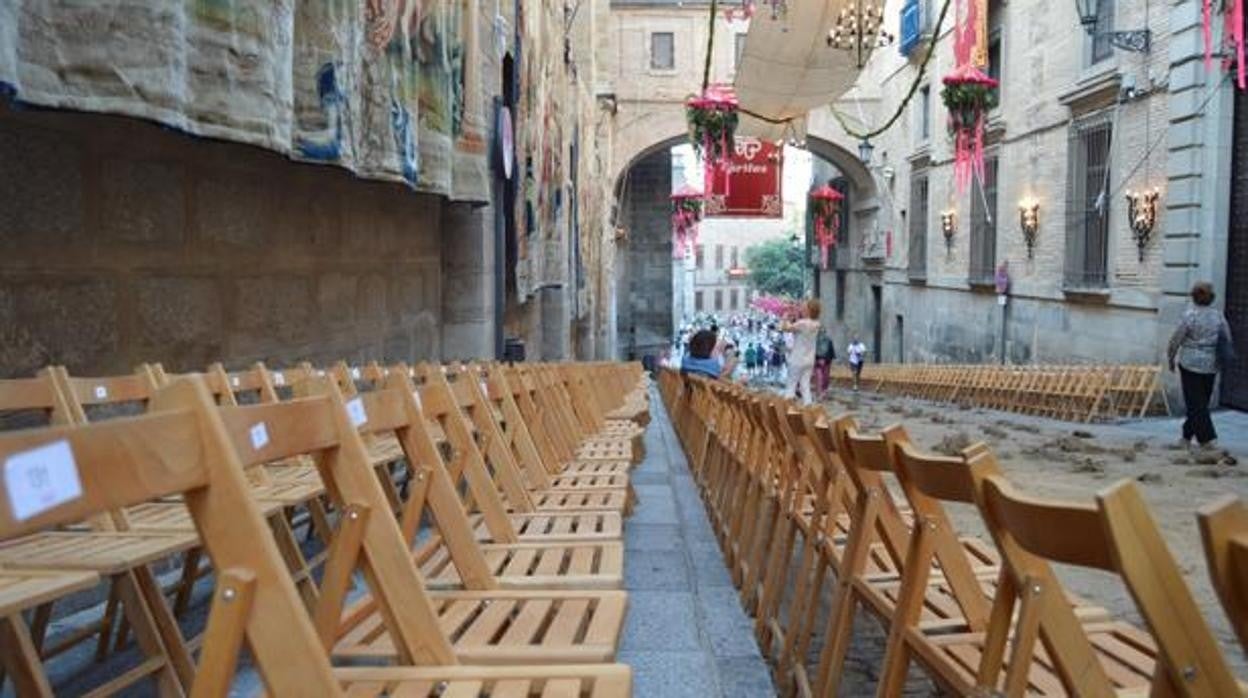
776	268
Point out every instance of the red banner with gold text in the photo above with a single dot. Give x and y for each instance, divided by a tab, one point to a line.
750	186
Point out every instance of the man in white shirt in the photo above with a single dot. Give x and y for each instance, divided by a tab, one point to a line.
857	352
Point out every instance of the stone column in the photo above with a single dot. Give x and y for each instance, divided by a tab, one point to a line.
468	278
1198	169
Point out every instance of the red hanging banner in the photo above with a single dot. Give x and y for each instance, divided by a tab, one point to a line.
749	187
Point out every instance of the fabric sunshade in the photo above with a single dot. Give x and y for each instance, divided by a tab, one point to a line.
787	69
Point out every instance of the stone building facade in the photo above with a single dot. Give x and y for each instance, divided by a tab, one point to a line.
127	241
1077	122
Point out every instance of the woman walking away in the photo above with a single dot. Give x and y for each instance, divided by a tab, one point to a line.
802	363
857	354
1202	345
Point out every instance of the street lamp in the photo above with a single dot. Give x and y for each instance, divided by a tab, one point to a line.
1138	40
865	149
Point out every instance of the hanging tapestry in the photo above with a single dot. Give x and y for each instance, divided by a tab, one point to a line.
374	86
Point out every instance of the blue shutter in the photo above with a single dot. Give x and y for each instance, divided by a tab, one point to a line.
911	27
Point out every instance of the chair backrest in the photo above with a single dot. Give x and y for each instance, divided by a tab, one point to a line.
39	394
1224	530
63	474
1115	534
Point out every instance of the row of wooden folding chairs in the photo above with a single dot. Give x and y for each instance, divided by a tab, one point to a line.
808	507
1070	393
466	429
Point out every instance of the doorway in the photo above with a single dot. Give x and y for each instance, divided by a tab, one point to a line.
877	306
1235	376
901	339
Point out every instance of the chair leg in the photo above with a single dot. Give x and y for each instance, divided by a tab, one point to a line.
140	617
166	626
20	658
190	573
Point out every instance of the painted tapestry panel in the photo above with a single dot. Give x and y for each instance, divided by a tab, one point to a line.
374	86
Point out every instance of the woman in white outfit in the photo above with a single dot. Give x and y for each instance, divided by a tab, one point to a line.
802	357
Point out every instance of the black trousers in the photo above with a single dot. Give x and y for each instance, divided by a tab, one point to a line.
1197	390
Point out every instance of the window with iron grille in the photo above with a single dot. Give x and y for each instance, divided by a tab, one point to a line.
1087	204
719	299
918	225
735	257
719	256
662	51
1101	48
984	226
697	301
734	300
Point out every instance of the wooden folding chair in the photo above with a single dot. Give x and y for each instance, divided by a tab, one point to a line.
1116	534
493	400
879	536
1224	530
452	557
106	547
554	434
185	447
952	658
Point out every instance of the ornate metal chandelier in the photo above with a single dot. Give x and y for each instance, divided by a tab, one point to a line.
859	28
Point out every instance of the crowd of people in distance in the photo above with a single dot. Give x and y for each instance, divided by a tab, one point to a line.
795	351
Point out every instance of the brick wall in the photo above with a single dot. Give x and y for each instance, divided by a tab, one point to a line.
123	242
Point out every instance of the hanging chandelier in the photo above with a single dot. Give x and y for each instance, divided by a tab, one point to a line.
859	29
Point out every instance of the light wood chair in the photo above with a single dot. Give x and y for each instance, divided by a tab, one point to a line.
186	446
452	557
1177	655
103	546
1224	531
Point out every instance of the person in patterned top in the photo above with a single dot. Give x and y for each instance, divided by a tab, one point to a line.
1194	352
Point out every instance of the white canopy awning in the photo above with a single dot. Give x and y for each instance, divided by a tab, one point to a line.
787	69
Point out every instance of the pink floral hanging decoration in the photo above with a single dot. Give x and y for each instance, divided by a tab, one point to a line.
743	13
686	214
712	118
825	206
968	95
1232	36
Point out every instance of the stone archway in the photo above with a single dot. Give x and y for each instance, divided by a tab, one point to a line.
642	183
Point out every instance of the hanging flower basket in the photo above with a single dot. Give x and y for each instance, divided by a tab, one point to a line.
825	206
1232	37
686	214
968	95
712	118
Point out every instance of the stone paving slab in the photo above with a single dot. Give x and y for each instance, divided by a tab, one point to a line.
686	633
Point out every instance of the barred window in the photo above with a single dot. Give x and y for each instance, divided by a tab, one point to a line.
984	226
1087	204
697	301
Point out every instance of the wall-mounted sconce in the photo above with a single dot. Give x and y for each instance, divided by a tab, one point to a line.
949	226
1029	223
1142	215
